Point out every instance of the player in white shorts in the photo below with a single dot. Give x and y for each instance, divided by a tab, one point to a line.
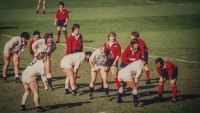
131	75
70	65
49	46
98	62
14	48
30	82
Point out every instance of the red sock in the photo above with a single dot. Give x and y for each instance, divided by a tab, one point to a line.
174	90
160	88
117	83
58	37
147	74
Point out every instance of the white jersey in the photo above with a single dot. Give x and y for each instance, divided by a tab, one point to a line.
14	45
99	59
40	46
133	69
73	60
34	69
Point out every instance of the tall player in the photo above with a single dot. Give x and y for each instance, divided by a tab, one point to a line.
62	17
70	65
115	49
98	62
167	69
14	48
49	46
131	75
144	54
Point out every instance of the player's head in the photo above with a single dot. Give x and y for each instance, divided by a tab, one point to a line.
75	28
106	51
134	35
36	35
112	36
159	62
42	56
61	4
25	36
87	55
134	43
48	37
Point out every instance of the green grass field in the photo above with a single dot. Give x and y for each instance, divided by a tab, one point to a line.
169	27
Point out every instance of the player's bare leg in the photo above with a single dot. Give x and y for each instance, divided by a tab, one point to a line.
38	6
44	7
48	72
160	88
69	72
120	92
64	29
67	85
133	86
16	68
92	83
104	76
58	34
25	96
114	73
5	67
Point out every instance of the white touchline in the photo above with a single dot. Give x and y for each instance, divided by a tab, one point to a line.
186	61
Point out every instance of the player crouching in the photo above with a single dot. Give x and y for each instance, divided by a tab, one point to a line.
70	65
166	69
131	74
30	82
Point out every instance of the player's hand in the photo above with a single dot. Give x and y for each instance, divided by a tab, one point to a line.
54	23
94	70
106	69
114	63
132	59
7	57
65	23
16	59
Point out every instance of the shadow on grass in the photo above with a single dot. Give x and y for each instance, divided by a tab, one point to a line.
88	41
66	105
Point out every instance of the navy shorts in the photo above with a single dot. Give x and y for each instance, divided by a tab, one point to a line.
123	65
146	56
75	51
61	23
110	62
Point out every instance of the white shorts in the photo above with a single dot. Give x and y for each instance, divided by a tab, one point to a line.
98	67
27	78
66	63
125	76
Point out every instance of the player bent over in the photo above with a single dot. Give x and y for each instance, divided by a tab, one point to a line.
30	82
70	65
131	74
49	46
98	62
14	48
167	69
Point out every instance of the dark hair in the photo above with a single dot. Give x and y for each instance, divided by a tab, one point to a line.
106	51
88	53
159	60
61	3
134	41
74	26
41	55
135	33
48	35
112	33
36	33
25	35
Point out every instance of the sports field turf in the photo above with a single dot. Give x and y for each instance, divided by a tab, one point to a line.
171	29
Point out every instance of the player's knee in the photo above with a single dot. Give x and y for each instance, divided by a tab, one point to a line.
59	32
160	82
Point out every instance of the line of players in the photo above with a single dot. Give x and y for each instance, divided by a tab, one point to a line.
133	60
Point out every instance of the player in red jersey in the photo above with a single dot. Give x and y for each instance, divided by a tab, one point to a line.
62	17
167	69
39	4
74	43
131	53
115	49
144	54
36	36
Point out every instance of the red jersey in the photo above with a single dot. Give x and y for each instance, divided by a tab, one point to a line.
30	46
115	48
142	46
62	15
129	53
167	70
74	44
